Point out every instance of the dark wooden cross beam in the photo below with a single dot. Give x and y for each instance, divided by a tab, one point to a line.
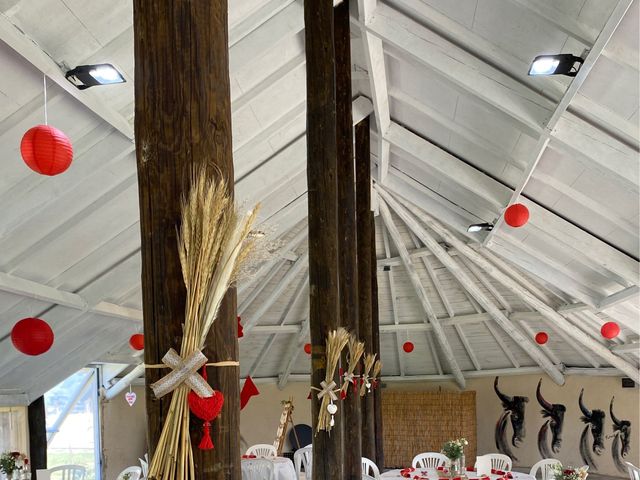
37	435
183	120
347	244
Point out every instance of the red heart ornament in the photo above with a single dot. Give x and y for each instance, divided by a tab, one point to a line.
206	409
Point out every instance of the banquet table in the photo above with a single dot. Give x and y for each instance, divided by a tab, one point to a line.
282	467
433	474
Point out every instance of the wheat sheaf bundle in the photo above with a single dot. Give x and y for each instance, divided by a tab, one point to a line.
212	245
336	341
377	369
356	350
369	360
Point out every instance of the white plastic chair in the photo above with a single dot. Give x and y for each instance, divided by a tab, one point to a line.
429	460
303	458
63	472
134	473
257	469
634	472
144	465
370	470
545	467
500	462
262	450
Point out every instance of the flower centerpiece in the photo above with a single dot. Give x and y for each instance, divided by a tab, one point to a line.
13	463
569	473
454	451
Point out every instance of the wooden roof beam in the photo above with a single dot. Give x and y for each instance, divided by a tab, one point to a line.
394	306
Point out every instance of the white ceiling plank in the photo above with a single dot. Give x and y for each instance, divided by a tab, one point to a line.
526	295
394	306
253	21
375	64
502	344
265	280
293	353
441	337
32	53
467	346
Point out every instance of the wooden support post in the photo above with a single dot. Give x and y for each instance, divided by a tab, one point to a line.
347	245
183	120
37	436
323	219
365	239
375	337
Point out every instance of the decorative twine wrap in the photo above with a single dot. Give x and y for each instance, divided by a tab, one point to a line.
356	350
369	360
336	341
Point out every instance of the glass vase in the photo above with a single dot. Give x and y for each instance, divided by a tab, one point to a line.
454	466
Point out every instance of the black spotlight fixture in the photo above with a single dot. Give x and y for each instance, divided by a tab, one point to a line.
85	76
561	64
479	227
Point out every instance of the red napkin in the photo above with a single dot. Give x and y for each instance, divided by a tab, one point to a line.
248	456
497	472
406	472
470	469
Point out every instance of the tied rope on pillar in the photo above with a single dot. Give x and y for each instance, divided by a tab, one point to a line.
213	244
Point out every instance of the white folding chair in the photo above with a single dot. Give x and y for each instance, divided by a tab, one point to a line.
257	469
500	461
634	472
429	460
63	472
130	473
262	450
144	465
545	467
303	458
370	470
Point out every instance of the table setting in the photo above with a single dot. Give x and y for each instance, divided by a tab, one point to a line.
442	473
282	467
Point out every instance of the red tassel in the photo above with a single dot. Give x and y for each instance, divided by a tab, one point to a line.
343	394
206	443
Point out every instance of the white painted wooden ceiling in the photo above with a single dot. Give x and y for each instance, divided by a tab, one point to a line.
461	131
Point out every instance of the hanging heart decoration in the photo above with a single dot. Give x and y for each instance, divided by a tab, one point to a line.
130	397
206	409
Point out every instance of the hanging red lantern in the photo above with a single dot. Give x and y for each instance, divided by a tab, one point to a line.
542	338
408	347
137	341
32	336
516	215
46	150
610	330
307	348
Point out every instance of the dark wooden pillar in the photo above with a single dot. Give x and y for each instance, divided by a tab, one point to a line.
183	120
323	219
347	247
364	240
375	330
37	435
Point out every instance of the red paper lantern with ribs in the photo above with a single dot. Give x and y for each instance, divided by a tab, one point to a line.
46	150
516	215
408	347
307	348
137	341
32	336
610	330
542	338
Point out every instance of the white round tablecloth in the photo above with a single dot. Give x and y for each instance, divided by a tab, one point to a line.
432	474
282	467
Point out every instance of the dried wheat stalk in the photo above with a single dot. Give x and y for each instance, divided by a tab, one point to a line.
336	341
369	360
356	350
212	244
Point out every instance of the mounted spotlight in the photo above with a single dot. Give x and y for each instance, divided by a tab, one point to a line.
479	227
85	76
561	64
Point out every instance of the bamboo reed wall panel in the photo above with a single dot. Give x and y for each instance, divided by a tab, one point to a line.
416	422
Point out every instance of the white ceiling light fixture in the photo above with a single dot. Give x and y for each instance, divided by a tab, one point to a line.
480	227
86	76
561	64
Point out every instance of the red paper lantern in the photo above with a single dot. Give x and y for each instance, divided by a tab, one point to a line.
32	336
46	150
137	341
542	338
516	215
307	348
610	330
408	347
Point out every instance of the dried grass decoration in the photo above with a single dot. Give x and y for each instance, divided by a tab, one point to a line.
356	350
365	386
212	245
336	341
377	369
